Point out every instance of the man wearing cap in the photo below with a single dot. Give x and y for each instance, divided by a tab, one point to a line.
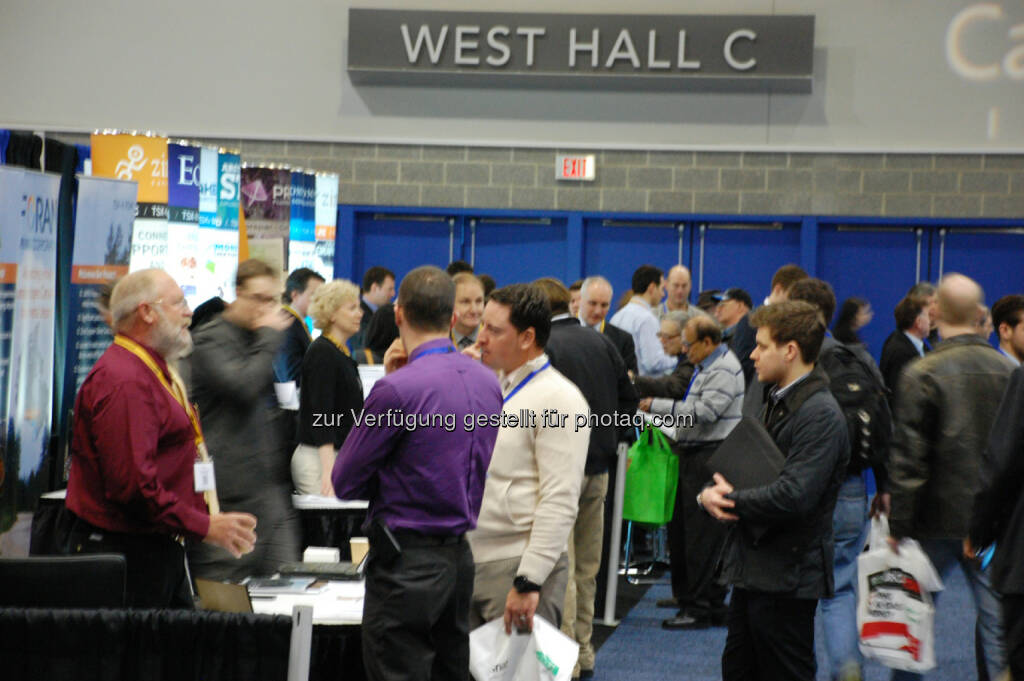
732	313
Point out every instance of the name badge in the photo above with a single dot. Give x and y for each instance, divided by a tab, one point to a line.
203	475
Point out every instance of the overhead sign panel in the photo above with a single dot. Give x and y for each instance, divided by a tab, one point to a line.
611	51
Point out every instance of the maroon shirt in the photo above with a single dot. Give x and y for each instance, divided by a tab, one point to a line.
132	452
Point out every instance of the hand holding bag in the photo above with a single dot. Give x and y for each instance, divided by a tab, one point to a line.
546	654
895	614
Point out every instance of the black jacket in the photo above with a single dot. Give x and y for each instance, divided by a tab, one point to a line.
623	342
742	342
783	542
948	402
999	505
674	385
589	360
897	352
288	360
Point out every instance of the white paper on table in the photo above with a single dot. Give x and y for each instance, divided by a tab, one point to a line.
287	395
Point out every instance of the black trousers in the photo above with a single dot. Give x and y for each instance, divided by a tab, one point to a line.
695	539
1013	632
416	611
155	564
770	638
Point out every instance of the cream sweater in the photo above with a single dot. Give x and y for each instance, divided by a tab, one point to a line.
533	484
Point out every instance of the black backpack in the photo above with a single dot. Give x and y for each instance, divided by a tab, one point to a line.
863	397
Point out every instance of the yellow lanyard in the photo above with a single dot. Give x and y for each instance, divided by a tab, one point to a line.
290	310
176	387
340	346
602	327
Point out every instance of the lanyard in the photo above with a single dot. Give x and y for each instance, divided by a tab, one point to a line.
340	346
693	378
523	382
290	310
601	330
434	351
176	388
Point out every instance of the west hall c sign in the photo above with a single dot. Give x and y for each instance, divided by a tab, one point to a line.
506	49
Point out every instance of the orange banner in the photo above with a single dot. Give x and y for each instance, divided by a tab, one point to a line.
133	157
96	274
325	232
8	273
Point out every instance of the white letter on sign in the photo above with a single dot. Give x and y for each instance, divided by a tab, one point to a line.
733	37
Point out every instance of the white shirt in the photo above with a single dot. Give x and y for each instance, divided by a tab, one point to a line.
637	318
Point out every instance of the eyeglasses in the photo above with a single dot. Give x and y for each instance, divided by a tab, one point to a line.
181	303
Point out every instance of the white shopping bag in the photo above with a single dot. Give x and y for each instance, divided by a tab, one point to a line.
895	614
544	655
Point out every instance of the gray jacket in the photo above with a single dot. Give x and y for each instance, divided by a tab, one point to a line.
714	402
948	401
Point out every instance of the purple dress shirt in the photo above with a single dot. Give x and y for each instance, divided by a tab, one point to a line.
427	478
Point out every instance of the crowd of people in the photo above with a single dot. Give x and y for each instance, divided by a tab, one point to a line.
506	515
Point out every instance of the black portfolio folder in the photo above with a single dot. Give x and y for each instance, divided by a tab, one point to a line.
748	457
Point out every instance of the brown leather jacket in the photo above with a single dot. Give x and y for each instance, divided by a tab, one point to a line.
948	401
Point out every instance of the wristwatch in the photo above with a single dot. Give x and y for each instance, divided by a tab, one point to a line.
523	585
699	502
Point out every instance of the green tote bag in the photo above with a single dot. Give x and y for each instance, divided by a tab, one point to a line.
652	475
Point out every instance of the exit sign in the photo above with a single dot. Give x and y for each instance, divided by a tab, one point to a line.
575	168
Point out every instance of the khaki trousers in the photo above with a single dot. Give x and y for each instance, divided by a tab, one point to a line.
494	580
584	561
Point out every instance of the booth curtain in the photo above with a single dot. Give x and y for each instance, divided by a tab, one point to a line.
156	645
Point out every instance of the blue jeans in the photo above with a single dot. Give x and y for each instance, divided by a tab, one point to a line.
839	613
945	554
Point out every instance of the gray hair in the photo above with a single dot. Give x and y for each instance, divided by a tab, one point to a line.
133	290
681	317
590	281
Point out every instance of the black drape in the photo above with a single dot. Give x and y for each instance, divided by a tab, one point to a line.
24	149
156	645
62	158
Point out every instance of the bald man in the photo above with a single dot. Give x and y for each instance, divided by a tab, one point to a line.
948	401
679	284
595	301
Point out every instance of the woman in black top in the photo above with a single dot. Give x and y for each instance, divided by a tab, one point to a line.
331	389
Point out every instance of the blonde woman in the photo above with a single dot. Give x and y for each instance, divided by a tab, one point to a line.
331	390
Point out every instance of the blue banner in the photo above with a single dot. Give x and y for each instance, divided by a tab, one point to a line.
32	222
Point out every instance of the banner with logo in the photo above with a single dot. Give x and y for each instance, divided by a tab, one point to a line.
142	159
101	252
302	229
219	176
10	242
326	221
33	221
266	203
183	175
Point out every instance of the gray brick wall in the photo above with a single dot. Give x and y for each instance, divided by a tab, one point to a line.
894	185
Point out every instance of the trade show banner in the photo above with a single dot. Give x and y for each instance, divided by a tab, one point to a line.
302	229
219	175
183	217
266	203
10	242
32	220
326	219
103	227
143	159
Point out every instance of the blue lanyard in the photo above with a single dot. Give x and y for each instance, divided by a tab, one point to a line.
692	379
523	382
434	351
